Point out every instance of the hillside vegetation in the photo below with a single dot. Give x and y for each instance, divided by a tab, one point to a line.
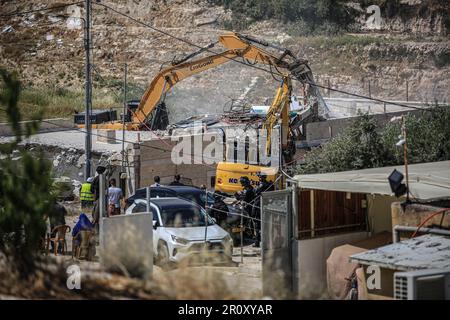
307	16
412	47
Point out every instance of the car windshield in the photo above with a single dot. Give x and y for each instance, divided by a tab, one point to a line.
184	217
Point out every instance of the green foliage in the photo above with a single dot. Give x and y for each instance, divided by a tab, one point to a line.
55	102
364	145
428	137
25	181
306	16
360	146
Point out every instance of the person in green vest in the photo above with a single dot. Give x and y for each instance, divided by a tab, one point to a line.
86	196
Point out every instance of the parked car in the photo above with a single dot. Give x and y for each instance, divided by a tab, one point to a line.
179	230
195	195
189	193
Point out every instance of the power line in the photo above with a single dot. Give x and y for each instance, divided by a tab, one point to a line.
132	142
21	13
252	65
211	51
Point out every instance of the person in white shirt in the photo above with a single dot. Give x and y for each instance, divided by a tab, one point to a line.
114	196
157	182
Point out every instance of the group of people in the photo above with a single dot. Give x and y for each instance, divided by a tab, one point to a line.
89	196
90	193
250	196
176	181
252	201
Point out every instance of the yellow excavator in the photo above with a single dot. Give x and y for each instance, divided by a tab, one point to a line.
239	48
248	51
229	173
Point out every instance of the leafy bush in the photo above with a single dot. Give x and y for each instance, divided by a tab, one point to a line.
364	145
25	183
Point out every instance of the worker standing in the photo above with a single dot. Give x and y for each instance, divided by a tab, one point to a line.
264	186
115	195
157	183
86	196
247	195
95	189
176	181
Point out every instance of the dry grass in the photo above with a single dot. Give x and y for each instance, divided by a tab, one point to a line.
60	102
49	282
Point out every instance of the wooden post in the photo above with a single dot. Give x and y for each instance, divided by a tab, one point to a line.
311	200
101	211
405	157
329	86
407	91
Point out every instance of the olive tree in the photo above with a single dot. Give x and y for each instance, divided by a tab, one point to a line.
365	145
25	183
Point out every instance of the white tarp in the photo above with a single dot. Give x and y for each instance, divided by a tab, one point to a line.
427	181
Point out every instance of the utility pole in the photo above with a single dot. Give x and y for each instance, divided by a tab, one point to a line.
123	116
405	156
88	90
101	204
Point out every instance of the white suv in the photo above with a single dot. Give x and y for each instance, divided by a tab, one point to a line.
180	230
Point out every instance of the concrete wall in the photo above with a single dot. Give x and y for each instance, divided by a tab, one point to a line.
59	124
379	212
415	214
311	256
351	106
317	132
156	159
128	244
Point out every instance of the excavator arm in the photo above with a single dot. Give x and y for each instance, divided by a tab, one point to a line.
168	77
238	46
284	64
279	110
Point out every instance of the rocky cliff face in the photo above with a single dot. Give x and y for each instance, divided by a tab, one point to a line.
47	50
414	17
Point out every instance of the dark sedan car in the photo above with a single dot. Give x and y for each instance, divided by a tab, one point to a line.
189	193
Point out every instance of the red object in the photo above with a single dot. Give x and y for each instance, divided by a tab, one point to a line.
427	219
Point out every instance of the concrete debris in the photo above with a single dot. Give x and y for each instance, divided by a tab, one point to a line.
57	160
204	21
54	19
81	160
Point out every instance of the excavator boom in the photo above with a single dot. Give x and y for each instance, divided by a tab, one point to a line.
167	78
238	46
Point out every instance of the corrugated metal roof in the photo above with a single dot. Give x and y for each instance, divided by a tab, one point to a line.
428	181
424	252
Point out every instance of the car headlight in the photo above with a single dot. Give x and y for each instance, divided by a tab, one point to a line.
227	238
179	240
